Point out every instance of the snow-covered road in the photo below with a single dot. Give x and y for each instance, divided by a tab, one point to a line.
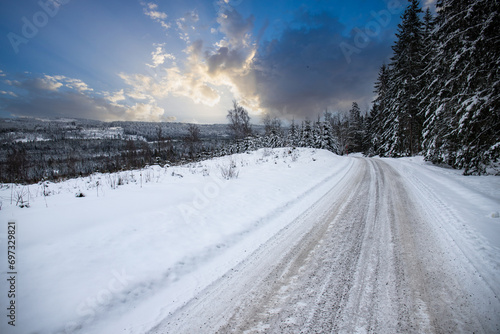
381	252
302	241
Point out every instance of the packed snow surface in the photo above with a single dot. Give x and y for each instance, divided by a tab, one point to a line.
269	241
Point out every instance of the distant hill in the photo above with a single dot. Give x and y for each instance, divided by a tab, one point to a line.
29	129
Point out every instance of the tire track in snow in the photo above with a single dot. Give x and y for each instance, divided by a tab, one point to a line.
361	259
462	275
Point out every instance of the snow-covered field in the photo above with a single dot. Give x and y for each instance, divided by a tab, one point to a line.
130	252
139	245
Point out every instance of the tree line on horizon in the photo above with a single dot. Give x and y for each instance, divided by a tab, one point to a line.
60	151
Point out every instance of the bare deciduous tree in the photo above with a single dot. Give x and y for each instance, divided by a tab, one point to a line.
239	121
193	133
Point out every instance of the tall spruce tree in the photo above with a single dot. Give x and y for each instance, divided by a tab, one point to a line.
378	113
402	120
293	134
328	141
355	131
317	133
307	136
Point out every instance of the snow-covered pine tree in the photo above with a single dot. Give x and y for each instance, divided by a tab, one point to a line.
428	40
433	136
477	70
462	125
328	141
355	131
276	140
402	120
378	113
307	138
293	135
273	136
317	133
367	137
438	138
429	44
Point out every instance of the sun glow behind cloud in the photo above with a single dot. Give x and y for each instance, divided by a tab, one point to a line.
282	59
205	68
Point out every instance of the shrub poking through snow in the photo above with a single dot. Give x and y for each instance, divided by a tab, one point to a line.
22	197
229	171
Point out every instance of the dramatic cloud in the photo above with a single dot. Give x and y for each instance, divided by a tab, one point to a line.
299	74
205	67
305	72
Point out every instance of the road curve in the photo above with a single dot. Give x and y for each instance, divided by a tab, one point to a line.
362	259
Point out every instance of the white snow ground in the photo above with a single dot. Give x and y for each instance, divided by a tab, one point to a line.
142	244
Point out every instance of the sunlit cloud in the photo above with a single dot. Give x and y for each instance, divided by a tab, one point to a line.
46	83
8	93
236	28
61	96
115	97
150	9
52	83
77	84
145	112
159	56
226	63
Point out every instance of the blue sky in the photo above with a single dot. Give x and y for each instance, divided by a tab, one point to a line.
187	60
